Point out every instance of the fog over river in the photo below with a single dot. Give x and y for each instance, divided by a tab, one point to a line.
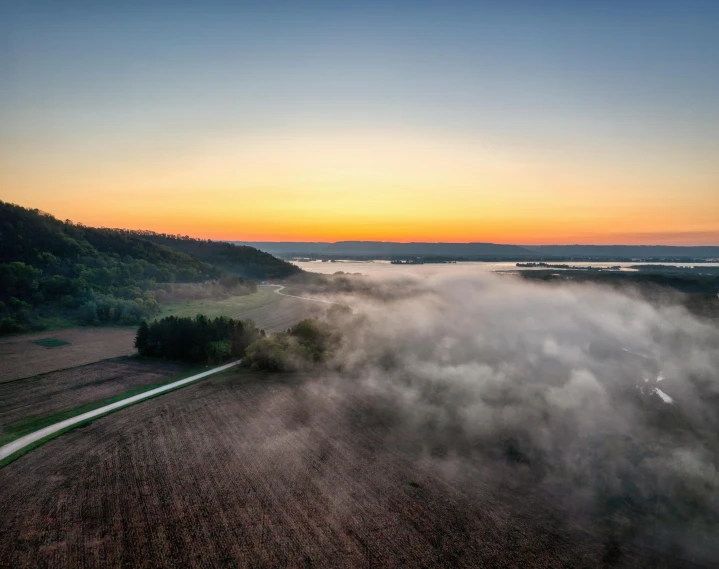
603	402
463	267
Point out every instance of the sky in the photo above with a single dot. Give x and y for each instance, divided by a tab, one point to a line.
513	122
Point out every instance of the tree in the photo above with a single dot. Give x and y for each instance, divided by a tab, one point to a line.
142	338
88	313
199	339
307	343
217	351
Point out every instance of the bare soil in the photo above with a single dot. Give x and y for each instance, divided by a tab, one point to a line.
20	357
68	389
252	471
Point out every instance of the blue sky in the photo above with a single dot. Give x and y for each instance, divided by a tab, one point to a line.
629	85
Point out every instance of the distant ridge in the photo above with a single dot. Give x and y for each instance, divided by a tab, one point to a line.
469	250
389	249
285	247
480	251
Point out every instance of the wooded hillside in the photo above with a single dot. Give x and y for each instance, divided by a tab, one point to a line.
55	272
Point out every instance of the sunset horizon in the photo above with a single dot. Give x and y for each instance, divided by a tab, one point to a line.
426	123
360	284
192	229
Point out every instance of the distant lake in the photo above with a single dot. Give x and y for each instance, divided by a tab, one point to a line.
429	269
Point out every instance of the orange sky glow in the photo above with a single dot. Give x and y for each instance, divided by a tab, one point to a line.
375	186
430	121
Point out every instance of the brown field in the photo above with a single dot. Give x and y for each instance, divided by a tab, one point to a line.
69	389
283	314
20	357
250	471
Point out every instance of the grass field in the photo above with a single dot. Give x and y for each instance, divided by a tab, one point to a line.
283	314
27	355
270	311
21	356
50	342
248	471
232	307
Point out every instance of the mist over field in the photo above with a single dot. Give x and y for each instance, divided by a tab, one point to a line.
359	284
602	404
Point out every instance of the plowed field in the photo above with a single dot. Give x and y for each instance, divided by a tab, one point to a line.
251	471
26	400
21	357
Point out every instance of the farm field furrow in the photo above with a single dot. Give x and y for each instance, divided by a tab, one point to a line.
21	357
24	401
249	470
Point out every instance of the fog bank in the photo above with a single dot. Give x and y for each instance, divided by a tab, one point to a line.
606	405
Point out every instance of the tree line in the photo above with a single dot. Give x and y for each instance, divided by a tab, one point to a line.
212	340
198	340
235	259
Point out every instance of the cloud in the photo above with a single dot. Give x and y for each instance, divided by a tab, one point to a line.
548	383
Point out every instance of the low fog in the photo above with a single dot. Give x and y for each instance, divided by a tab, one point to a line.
599	403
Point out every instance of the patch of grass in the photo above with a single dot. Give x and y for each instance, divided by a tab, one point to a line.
233	306
50	342
235	373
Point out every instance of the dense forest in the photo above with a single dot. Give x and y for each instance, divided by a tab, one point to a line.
200	339
56	272
235	259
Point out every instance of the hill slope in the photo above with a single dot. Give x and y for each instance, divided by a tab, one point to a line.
56	273
287	248
37	238
236	259
465	250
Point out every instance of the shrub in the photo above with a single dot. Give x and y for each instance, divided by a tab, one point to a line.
8	325
307	343
88	313
268	354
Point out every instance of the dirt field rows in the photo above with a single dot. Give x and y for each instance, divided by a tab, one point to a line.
64	390
247	471
20	357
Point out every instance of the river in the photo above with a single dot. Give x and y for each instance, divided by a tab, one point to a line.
429	269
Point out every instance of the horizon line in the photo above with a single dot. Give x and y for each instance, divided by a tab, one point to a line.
464	243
